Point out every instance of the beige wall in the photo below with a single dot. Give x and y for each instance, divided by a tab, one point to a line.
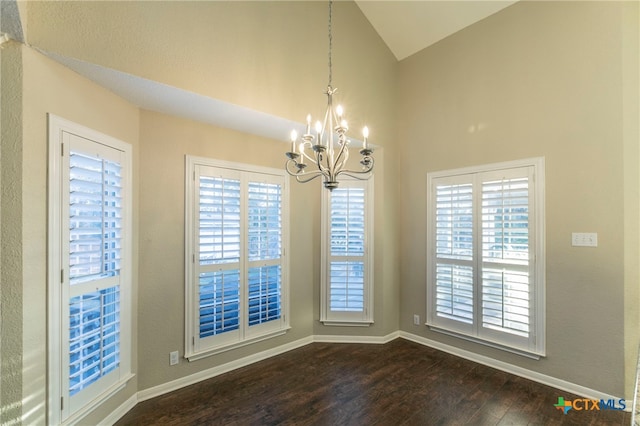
269	56
243	68
10	233
165	141
631	154
48	87
535	80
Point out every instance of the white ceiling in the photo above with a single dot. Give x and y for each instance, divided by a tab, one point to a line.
409	26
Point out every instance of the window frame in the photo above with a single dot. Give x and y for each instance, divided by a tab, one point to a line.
196	347
365	317
534	347
59	403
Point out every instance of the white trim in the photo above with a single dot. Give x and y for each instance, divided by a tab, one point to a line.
524	162
532	346
377	340
77	417
219	349
221	369
486	342
119	412
196	347
510	368
57	128
347	324
365	317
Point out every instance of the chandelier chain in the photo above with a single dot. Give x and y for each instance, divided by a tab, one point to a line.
330	43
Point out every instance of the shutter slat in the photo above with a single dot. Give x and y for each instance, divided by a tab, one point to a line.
219	220
94	335
454	221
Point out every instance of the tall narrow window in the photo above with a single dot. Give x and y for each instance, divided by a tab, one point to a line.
485	277
236	243
90	268
347	273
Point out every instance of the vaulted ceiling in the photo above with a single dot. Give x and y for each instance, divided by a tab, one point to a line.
409	26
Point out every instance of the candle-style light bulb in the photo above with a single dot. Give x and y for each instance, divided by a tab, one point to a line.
308	124
339	111
318	131
344	125
294	137
365	134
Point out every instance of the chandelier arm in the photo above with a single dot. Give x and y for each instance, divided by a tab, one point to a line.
324	170
357	175
293	163
310	176
338	165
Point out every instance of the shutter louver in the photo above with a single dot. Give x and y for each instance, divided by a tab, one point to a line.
264	294
347	222
95	217
219	302
454	222
94	335
219	233
265	228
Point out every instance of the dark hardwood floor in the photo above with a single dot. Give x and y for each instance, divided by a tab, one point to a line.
399	383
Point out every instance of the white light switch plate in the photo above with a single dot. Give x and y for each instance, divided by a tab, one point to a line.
584	239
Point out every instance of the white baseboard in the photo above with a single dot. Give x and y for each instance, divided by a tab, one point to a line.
378	340
221	369
123	409
512	369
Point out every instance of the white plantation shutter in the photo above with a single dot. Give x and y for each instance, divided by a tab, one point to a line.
346	261
236	281
89	269
218	253
505	255
454	252
485	276
94	241
265	252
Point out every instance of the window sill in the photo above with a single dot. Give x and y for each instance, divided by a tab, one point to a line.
76	417
220	349
347	323
517	351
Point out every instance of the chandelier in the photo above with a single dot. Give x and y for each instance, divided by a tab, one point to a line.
327	148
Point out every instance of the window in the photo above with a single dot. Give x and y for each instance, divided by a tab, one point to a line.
89	268
347	267
485	269
236	239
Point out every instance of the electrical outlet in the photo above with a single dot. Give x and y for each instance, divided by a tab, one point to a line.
173	358
416	319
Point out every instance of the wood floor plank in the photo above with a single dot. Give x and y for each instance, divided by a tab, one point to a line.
398	383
